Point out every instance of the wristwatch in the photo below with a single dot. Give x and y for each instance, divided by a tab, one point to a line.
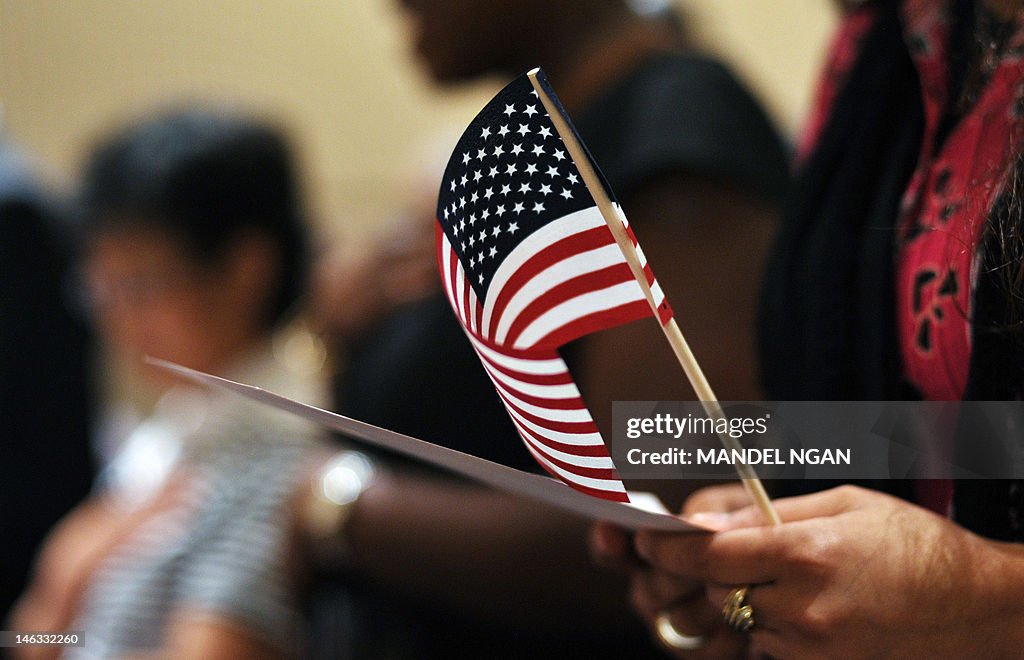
331	497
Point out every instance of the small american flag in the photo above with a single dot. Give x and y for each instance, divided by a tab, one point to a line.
529	264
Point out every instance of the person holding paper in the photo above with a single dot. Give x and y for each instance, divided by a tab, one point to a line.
897	275
195	251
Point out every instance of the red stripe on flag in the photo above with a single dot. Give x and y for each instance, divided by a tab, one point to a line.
664	309
466	309
447	279
612	495
588	451
586	283
577	428
561	378
596	321
588	472
569	403
664	313
453	275
569	246
479	312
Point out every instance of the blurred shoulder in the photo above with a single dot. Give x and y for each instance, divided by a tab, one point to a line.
685	112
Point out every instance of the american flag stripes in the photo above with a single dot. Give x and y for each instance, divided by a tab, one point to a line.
529	264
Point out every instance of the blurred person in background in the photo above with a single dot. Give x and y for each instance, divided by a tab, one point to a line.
46	394
195	251
699	170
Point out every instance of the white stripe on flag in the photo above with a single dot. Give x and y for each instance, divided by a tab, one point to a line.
549	278
446	268
460	292
566	391
472	308
574	415
609	485
598	462
568	225
657	293
577	308
542	367
579	439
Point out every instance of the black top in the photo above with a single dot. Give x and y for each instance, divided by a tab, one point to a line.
684	113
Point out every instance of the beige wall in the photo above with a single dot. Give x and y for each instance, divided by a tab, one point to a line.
776	45
335	71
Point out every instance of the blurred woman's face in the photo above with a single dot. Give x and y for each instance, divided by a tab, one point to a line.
149	297
463	39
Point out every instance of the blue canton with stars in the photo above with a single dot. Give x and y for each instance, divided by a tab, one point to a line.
509	175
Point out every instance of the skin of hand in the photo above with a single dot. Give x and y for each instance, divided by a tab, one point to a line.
850	573
652	591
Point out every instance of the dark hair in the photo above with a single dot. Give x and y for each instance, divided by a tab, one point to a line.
205	178
1004	239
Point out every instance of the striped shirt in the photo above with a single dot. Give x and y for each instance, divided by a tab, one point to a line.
219	549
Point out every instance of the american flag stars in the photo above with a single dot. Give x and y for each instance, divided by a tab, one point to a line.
513	170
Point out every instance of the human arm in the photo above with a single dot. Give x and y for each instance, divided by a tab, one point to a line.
854	573
490	556
198	634
68	557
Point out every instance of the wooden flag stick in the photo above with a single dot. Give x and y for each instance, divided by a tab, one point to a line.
613	217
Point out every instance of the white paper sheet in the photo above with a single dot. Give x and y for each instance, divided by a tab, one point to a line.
646	511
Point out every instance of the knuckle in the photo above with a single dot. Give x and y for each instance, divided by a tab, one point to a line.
640	600
697	502
815	552
817	621
847	494
705	499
